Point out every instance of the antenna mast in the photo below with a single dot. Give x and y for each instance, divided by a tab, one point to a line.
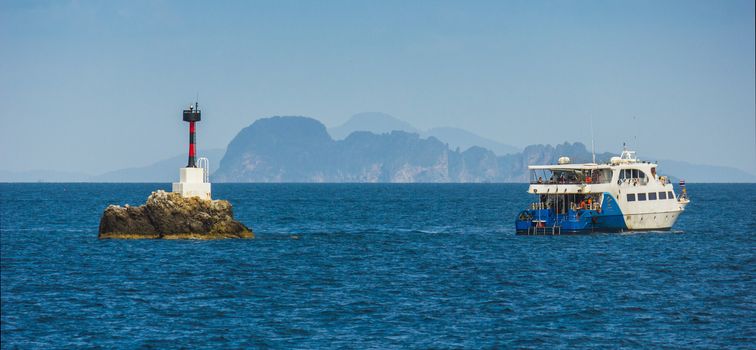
593	148
635	134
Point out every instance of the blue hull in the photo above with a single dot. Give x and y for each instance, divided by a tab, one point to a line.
581	221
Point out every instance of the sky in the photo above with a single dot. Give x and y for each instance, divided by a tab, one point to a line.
92	86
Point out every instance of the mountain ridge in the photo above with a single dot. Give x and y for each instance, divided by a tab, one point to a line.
299	149
380	123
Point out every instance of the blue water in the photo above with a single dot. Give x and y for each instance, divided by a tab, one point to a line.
373	266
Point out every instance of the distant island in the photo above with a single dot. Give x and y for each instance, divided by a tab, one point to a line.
299	149
370	147
381	123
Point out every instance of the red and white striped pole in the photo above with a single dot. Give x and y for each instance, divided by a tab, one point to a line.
192	147
192	115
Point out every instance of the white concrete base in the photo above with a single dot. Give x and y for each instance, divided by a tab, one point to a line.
201	190
191	175
191	184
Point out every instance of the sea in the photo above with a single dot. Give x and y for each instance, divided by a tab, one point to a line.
373	266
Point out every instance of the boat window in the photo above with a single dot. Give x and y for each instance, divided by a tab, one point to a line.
633	176
662	195
641	196
542	176
556	176
631	197
671	195
652	196
600	176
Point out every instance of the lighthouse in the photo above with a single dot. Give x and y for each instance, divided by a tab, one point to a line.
193	180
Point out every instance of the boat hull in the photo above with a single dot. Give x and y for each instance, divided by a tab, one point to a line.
548	232
609	218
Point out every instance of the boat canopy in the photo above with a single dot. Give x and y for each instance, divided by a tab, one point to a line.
586	166
575	174
589	166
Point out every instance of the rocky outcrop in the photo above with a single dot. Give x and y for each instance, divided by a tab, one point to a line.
170	216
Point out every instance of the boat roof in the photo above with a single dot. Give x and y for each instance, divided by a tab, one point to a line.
583	166
588	166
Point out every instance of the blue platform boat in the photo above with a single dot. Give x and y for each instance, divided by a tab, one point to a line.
625	194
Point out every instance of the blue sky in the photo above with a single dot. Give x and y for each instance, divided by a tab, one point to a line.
97	85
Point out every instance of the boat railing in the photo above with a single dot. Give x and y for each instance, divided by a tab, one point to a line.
545	230
559	182
586	206
539	205
573	206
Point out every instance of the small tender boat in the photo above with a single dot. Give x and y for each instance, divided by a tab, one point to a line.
625	194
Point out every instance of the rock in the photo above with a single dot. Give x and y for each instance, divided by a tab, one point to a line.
127	221
170	216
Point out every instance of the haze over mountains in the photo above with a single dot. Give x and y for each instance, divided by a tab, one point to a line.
299	149
370	147
380	123
160	171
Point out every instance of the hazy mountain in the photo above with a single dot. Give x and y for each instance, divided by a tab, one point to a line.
378	123
278	149
381	123
161	171
704	173
299	149
464	139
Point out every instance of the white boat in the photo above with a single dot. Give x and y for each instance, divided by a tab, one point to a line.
625	194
